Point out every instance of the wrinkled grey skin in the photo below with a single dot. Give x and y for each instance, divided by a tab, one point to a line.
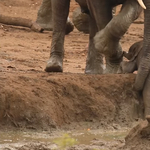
134	56
144	67
44	17
81	20
106	41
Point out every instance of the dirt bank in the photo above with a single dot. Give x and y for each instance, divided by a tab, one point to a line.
42	100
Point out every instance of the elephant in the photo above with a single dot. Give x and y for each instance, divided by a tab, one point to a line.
44	17
134	56
105	42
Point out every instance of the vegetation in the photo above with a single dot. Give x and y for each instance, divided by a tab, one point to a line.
65	141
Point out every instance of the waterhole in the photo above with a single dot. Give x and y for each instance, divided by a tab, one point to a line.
86	137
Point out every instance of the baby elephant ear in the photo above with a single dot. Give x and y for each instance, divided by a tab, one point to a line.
134	51
137	47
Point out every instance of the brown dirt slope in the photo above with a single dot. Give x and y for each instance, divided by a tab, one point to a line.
35	99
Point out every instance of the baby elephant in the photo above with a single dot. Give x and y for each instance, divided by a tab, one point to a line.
134	56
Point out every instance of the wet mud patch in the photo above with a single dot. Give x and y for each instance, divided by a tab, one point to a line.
73	139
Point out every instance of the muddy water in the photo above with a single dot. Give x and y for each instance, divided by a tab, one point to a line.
87	137
20	138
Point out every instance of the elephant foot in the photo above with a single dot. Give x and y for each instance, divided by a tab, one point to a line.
109	45
45	23
94	62
111	69
36	27
54	64
94	69
113	64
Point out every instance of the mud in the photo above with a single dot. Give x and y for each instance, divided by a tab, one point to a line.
40	107
85	138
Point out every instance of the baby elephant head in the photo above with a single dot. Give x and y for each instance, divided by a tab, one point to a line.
133	55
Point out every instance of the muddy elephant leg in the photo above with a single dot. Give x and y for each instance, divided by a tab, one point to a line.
99	17
44	17
94	61
107	40
59	14
146	97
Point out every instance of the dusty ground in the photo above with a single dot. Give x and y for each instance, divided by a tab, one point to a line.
33	99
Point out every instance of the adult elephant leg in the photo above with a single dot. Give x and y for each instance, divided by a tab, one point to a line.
146	97
94	61
144	67
107	40
81	20
59	14
44	17
99	17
